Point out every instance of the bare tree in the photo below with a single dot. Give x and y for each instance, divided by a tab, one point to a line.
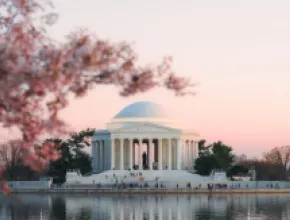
240	158
11	153
11	158
265	170
279	156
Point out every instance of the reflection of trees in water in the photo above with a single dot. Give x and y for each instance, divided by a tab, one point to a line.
267	206
206	214
31	207
58	208
17	209
214	209
83	214
272	206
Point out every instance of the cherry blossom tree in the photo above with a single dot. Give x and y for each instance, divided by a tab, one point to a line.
37	74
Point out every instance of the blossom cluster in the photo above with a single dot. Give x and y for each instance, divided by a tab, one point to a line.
37	74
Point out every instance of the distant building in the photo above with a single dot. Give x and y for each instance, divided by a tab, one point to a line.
142	144
143	136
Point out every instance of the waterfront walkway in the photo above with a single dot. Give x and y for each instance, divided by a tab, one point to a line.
149	191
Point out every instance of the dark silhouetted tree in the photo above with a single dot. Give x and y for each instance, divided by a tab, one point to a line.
238	169
214	156
72	154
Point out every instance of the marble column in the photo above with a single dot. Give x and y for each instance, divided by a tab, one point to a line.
134	152
183	154
187	153
101	155
130	154
112	153
149	147
195	149
179	148
190	154
104	154
140	154
169	156
193	153
121	154
97	155
159	154
94	156
108	156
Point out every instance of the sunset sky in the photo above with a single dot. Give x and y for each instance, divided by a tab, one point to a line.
237	51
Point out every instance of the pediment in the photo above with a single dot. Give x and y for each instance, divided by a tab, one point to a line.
146	128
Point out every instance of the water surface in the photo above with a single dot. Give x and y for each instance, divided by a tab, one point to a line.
146	207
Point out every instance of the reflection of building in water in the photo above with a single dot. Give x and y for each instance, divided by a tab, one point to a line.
167	207
146	207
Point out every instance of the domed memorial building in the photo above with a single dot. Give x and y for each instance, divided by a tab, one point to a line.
143	145
143	136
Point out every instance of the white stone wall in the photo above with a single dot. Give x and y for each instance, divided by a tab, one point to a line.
29	184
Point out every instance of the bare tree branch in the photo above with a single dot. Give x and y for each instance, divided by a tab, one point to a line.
280	156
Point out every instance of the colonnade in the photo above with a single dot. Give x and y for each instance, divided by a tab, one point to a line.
190	153
161	154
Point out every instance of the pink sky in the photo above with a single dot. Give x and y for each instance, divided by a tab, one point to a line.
238	52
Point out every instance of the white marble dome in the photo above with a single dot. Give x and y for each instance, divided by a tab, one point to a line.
142	110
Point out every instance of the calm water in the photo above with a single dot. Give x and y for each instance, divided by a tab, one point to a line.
155	207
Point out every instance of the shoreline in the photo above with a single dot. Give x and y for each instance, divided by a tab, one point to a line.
150	191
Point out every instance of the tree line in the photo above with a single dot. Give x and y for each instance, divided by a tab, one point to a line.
274	164
72	157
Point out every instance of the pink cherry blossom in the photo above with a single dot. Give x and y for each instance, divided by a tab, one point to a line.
5	188
38	75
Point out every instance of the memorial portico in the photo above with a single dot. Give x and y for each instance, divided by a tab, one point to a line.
143	136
